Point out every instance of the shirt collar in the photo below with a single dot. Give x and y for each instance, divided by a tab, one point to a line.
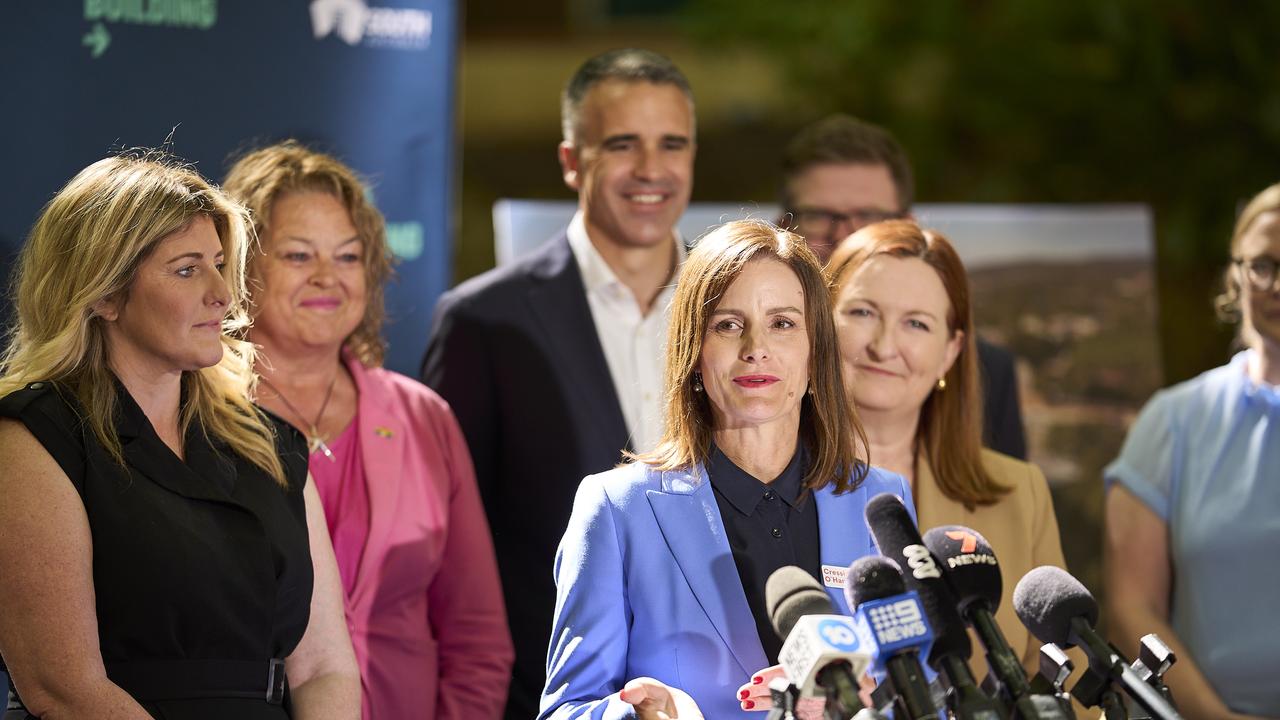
1262	394
596	273
744	491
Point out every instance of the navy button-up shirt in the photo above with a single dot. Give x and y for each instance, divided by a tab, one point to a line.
769	525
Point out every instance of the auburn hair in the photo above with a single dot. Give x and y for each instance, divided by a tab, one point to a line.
949	433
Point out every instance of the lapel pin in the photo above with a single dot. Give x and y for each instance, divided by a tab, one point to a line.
384	432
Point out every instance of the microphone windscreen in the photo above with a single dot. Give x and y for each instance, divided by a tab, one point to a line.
873	577
1047	598
790	593
969	564
898	538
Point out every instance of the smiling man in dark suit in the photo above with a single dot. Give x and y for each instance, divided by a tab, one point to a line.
554	365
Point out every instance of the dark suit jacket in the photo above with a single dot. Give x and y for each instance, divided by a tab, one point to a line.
516	354
1001	412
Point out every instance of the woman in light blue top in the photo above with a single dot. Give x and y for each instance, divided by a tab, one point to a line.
1193	504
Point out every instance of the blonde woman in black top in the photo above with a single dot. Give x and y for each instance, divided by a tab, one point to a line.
162	550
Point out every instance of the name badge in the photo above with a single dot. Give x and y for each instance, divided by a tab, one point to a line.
833	575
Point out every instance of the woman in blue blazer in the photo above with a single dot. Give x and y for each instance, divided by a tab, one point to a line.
660	573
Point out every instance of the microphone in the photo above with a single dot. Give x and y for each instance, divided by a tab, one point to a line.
784	695
897	537
973	574
1154	660
1057	608
1055	669
892	624
820	648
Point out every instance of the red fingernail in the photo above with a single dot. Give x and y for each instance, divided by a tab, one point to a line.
748	704
744	694
756	680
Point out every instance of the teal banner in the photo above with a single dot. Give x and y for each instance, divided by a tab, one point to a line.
371	81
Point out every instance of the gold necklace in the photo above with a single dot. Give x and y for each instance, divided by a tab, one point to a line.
314	440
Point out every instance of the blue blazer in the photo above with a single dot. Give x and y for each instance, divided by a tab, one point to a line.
646	586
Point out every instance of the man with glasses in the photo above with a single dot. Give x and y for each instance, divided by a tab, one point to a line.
841	174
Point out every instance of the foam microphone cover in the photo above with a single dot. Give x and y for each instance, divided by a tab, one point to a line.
873	577
898	538
969	564
1047	598
790	593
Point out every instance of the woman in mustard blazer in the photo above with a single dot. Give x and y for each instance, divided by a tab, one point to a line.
900	299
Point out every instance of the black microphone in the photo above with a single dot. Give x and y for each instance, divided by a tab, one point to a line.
896	646
1057	608
820	646
897	537
973	574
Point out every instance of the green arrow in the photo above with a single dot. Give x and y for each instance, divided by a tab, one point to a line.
97	39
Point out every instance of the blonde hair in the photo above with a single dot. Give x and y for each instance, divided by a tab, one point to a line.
829	427
259	178
950	429
86	247
1228	302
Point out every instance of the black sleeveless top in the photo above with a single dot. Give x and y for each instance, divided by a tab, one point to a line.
201	569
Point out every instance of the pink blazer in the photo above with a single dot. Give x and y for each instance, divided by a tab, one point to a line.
426	612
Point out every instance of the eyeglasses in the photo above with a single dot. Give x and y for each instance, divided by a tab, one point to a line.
811	221
1259	271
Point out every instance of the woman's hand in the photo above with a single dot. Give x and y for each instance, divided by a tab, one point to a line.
655	700
755	695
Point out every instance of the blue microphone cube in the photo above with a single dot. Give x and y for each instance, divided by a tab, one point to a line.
892	625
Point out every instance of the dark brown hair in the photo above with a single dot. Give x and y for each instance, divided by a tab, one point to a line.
627	65
844	140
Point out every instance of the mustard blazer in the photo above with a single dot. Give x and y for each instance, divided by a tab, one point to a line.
1022	531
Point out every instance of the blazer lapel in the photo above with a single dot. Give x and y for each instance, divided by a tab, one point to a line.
559	303
690	522
382	440
842	531
146	454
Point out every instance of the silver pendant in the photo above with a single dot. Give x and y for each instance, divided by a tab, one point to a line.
315	444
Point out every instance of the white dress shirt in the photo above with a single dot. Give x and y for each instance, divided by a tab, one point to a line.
634	344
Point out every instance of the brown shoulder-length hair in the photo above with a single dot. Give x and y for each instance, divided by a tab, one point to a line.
950	429
259	178
829	427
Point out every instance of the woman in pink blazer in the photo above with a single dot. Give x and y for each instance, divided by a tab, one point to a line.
423	602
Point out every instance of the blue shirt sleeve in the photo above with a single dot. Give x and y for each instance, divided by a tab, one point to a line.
1147	464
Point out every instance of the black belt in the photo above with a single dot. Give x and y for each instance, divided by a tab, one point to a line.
149	680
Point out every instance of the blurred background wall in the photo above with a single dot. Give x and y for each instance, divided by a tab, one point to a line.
1168	103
